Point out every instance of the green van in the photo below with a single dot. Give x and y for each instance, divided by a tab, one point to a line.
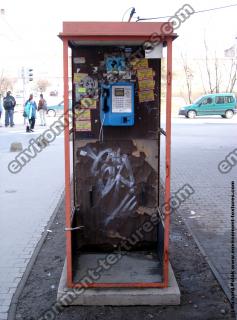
223	104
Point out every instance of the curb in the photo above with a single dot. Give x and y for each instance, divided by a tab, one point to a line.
217	275
21	285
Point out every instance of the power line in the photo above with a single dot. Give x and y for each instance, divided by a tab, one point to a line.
199	11
16	34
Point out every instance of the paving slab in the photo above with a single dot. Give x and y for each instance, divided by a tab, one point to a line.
28	199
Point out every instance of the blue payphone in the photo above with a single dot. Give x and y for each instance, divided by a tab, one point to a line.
117	104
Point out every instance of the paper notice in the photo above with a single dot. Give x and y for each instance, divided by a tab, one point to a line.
83	125
146	96
89	103
139	63
77	77
146	84
82	114
145	74
81	90
79	60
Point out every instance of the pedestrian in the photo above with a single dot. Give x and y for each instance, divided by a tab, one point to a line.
42	108
30	113
1	110
9	103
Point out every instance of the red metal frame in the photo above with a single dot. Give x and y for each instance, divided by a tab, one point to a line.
167	161
72	32
67	166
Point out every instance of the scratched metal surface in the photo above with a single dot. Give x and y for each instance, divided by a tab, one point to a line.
116	191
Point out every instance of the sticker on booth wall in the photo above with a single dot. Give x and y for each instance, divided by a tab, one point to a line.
146	96
146	84
89	103
78	60
84	125
77	77
139	63
145	74
82	114
81	90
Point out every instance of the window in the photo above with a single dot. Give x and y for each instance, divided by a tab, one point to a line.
224	99
229	99
207	101
220	100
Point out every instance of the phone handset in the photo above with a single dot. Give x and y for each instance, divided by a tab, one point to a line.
105	95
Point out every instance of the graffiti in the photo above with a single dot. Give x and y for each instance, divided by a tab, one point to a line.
113	172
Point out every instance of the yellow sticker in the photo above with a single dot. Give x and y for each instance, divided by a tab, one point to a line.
146	73
89	103
83	125
146	96
77	77
146	84
140	63
81	90
82	114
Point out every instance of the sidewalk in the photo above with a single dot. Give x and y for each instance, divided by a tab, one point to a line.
201	296
27	201
196	152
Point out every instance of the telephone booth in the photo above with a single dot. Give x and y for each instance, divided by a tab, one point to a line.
116	224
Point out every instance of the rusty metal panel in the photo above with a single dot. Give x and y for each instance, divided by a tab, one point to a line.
115	180
116	190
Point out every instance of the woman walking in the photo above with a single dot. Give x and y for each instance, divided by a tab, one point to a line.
30	113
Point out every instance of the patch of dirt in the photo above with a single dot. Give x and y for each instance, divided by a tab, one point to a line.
201	296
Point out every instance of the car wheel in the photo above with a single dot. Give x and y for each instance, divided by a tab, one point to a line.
51	113
192	114
223	116
229	114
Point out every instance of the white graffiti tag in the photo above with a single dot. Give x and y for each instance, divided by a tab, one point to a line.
113	171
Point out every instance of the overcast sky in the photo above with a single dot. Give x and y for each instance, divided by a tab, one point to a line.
28	30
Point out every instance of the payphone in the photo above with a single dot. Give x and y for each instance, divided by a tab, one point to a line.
117	104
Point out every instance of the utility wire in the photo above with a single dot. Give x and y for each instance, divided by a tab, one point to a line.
199	11
16	34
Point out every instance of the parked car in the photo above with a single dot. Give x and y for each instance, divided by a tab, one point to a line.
53	93
223	104
54	109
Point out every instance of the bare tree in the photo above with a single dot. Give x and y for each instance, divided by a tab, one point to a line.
217	75
232	76
203	83
188	77
42	85
6	83
213	70
211	89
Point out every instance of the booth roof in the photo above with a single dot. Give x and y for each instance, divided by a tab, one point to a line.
111	32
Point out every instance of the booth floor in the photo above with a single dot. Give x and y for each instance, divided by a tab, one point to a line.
140	266
135	267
